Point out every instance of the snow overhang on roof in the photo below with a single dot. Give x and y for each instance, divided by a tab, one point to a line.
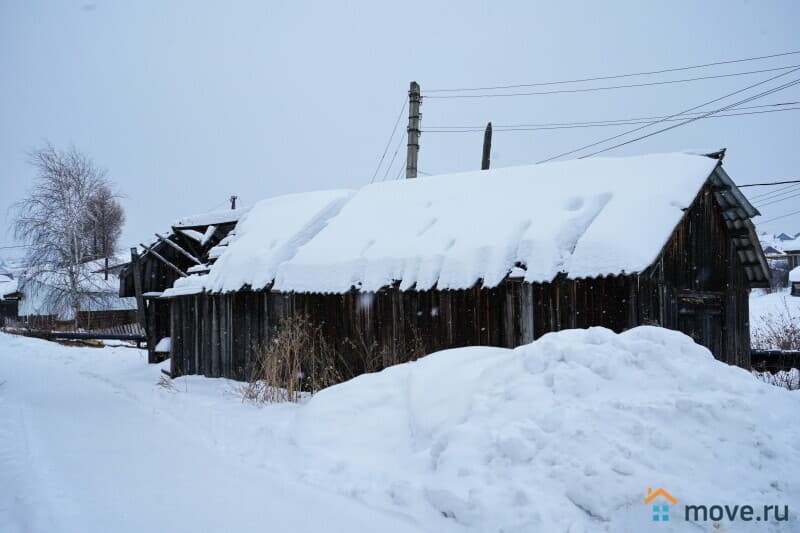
267	236
211	218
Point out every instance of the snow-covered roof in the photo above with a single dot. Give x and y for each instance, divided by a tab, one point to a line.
213	217
583	218
8	285
267	236
794	274
778	243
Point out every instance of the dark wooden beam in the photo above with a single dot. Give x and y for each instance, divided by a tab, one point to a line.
161	258
179	249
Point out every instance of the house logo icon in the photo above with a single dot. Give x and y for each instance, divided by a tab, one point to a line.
660	508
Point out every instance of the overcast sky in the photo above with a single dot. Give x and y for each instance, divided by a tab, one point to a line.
186	103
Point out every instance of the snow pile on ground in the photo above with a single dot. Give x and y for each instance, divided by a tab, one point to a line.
563	435
583	218
794	274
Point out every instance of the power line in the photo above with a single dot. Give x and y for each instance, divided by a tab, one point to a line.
780	217
397	149
15	246
689	110
776	200
768	183
589	122
679	124
611	87
389	142
630	122
774	194
615	76
400	170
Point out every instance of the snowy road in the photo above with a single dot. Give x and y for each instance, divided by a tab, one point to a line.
80	453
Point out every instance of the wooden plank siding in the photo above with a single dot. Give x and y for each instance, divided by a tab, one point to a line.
696	285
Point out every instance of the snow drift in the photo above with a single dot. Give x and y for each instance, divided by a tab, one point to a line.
564	434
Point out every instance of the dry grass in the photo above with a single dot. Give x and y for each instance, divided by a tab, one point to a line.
297	362
300	361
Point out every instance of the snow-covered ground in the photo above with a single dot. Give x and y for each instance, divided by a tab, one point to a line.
563	435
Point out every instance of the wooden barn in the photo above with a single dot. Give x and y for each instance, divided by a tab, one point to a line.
497	257
174	254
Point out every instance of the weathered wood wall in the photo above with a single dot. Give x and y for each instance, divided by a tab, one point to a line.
706	291
696	285
216	335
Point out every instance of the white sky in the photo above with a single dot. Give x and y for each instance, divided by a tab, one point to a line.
186	103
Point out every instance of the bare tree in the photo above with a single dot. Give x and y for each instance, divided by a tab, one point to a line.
52	220
105	218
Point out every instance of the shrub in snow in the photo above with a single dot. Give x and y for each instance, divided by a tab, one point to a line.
564	434
777	329
788	380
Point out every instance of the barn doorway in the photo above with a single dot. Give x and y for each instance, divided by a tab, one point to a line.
700	315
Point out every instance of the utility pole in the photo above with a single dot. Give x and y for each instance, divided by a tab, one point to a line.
487	147
414	100
233	201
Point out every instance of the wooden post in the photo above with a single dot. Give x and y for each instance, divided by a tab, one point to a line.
487	147
137	287
412	155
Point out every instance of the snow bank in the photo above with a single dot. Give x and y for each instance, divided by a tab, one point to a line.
794	274
565	434
587	218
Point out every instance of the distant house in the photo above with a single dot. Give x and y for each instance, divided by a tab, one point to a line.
497	257
783	254
42	302
9	300
183	250
794	281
